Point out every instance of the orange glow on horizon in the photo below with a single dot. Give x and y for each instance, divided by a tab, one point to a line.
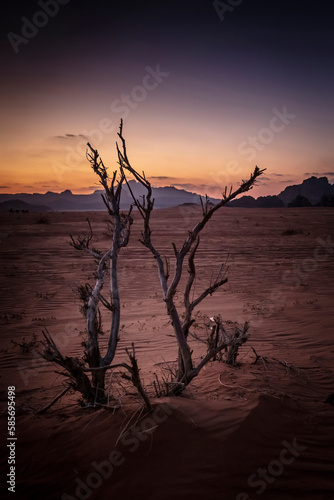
202	156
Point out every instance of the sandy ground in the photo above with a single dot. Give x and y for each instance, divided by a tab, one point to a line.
257	431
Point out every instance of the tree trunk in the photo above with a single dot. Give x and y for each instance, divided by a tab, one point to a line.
93	350
115	300
185	364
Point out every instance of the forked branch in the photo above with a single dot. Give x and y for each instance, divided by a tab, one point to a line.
188	248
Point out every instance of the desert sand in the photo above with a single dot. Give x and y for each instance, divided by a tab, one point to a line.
260	430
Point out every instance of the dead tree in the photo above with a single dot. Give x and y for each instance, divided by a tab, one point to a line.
186	369
93	389
121	225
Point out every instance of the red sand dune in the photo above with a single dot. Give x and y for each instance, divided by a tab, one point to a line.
258	431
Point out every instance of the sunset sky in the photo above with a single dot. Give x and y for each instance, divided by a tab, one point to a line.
205	95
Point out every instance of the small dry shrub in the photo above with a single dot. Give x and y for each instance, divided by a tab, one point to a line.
26	345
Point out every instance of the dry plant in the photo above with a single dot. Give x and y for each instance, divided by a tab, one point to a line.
233	341
90	380
26	345
92	387
185	255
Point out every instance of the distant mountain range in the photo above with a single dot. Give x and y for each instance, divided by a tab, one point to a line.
312	191
165	197
21	206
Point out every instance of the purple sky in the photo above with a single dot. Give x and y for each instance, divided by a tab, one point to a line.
205	93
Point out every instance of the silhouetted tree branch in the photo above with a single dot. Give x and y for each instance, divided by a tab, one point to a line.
186	371
94	390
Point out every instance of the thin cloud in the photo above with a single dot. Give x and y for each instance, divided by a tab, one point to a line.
161	177
70	136
283	181
194	188
319	173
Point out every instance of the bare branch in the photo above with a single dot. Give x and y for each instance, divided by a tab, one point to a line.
145	207
206	359
245	186
60	395
107	367
108	305
209	291
135	378
204	205
73	366
82	243
167	267
192	274
175	250
107	204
